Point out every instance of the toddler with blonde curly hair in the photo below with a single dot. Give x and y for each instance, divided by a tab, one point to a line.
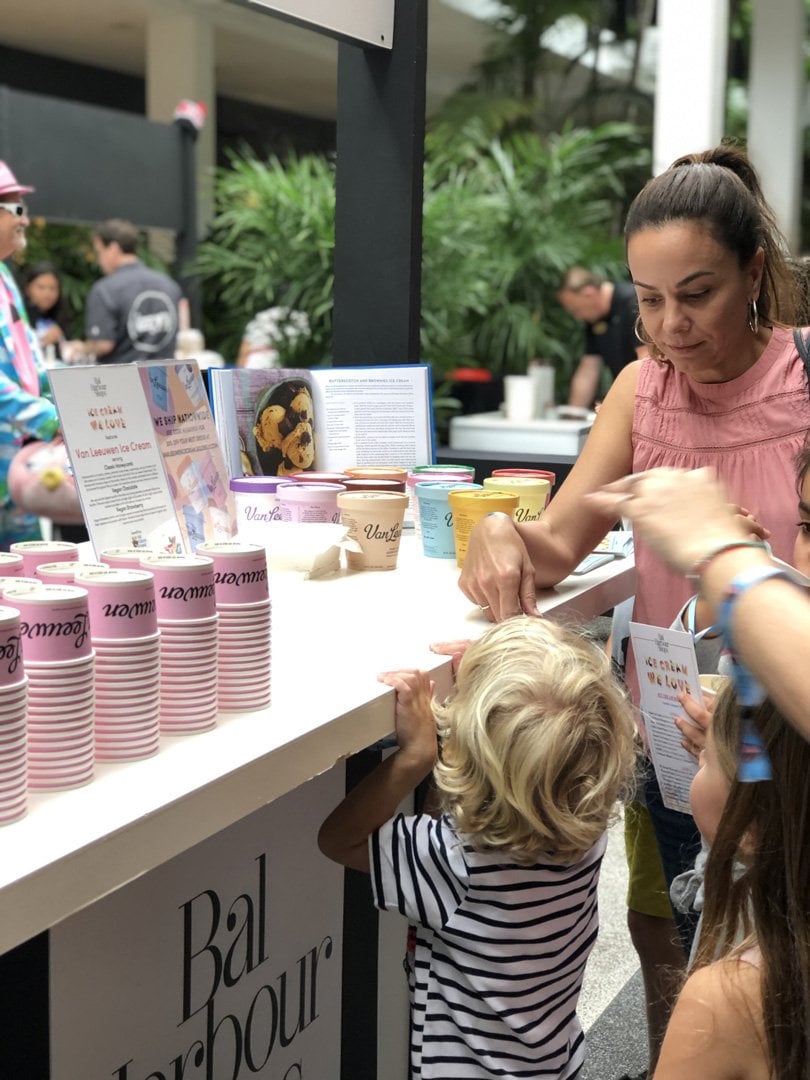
529	757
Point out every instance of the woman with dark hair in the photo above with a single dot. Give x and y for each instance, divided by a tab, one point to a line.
744	1012
47	307
725	387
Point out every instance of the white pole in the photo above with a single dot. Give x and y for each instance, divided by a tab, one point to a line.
690	84
776	107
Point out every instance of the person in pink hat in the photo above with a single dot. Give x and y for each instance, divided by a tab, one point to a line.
25	409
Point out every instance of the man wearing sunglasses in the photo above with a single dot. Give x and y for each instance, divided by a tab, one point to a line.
25	411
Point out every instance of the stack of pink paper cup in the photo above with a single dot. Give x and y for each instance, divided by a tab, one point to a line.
13	715
243	603
126	641
58	659
187	619
35	552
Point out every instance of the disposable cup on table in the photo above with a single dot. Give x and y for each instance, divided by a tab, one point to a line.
121	602
240	572
34	552
184	586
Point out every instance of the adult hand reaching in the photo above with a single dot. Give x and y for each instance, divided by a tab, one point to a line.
498	574
682	515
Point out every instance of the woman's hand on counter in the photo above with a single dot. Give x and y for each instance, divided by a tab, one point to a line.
498	574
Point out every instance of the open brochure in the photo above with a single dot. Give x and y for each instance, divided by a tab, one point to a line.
145	455
280	421
666	664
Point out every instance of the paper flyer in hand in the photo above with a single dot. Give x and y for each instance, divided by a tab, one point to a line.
145	455
666	665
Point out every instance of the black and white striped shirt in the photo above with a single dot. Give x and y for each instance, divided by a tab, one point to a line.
500	951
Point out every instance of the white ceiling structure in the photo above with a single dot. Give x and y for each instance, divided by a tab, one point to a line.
259	58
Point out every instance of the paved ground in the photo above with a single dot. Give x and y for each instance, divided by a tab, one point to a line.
612	1004
612	1001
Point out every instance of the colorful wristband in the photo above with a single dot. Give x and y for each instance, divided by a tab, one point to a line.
740	584
700	567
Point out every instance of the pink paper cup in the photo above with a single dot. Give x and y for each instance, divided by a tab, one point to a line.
54	622
121	602
11	564
63	573
240	572
11	661
35	552
125	558
184	586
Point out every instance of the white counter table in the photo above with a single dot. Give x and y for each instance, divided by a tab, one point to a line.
330	638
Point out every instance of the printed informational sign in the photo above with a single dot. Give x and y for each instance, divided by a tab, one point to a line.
224	963
145	455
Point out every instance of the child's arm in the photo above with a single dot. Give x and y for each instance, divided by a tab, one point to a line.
344	835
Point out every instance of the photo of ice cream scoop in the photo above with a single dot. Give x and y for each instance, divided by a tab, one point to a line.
284	429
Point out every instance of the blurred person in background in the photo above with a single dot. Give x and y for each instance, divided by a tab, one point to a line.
609	311
25	411
48	310
132	312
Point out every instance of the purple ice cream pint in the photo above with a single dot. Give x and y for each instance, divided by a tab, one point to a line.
257	505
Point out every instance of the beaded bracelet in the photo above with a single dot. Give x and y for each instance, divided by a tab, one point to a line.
700	567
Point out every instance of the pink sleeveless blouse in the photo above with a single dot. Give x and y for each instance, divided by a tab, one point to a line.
749	430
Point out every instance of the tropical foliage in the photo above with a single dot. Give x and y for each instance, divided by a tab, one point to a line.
503	219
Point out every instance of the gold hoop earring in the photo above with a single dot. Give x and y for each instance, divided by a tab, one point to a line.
753	317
